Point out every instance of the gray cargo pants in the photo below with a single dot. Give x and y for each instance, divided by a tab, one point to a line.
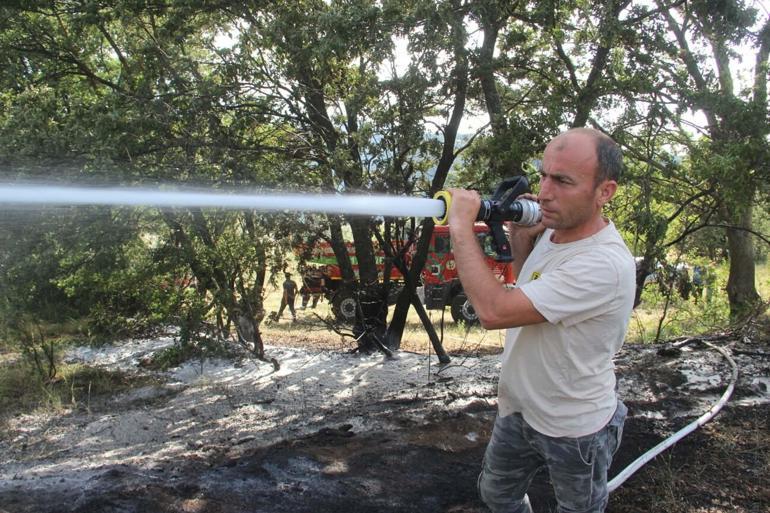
577	466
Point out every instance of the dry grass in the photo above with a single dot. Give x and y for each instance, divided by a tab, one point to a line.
311	330
682	317
75	386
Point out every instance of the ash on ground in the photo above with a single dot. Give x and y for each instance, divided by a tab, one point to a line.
334	431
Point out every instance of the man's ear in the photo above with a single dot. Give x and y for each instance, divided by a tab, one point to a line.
607	191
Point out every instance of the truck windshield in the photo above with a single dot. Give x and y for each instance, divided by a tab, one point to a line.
485	241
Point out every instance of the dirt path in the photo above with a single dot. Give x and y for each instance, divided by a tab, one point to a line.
336	432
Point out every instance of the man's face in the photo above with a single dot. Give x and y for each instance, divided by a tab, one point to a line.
569	197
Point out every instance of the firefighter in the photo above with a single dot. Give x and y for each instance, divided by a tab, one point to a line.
289	294
313	285
566	318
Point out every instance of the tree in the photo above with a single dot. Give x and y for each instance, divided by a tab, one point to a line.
321	63
134	92
310	95
452	23
707	35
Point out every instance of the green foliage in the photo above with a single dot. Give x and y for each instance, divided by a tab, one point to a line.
93	264
137	101
33	376
664	314
200	349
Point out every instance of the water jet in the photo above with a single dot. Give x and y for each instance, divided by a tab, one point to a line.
347	204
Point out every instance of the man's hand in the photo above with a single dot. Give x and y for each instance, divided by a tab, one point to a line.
523	238
464	207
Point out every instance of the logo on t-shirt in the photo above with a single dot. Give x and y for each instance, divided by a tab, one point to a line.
535	275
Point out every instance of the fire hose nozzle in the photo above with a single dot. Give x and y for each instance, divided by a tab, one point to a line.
523	212
502	207
446	197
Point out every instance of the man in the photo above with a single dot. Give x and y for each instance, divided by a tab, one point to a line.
566	319
313	284
289	294
697	282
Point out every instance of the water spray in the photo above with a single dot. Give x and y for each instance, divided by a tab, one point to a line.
365	205
503	206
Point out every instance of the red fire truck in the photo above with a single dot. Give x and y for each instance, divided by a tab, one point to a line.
440	284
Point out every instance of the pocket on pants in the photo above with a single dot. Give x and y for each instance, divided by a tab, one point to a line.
587	447
615	427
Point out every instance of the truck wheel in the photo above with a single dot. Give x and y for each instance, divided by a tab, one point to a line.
393	293
344	305
462	310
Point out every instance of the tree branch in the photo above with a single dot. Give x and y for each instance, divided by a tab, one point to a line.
718	225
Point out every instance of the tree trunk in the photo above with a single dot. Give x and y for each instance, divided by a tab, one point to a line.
460	83
341	252
247	327
643	270
492	20
372	311
741	286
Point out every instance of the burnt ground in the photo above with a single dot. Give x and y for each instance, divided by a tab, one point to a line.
430	463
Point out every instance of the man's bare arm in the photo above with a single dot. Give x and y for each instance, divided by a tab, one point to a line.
497	307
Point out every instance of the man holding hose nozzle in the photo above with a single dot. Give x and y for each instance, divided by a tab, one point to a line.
566	319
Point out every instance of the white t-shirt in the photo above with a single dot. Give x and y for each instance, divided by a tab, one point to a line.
559	374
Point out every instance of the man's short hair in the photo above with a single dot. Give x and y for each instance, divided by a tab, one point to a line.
609	158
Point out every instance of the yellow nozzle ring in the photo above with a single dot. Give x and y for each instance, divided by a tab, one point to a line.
447	199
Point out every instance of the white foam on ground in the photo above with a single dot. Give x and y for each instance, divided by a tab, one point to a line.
218	403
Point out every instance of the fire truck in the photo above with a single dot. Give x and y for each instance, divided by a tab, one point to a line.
440	285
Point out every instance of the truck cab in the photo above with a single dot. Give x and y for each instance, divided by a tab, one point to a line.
441	285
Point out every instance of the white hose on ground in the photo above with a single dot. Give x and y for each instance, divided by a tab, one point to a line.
670	441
